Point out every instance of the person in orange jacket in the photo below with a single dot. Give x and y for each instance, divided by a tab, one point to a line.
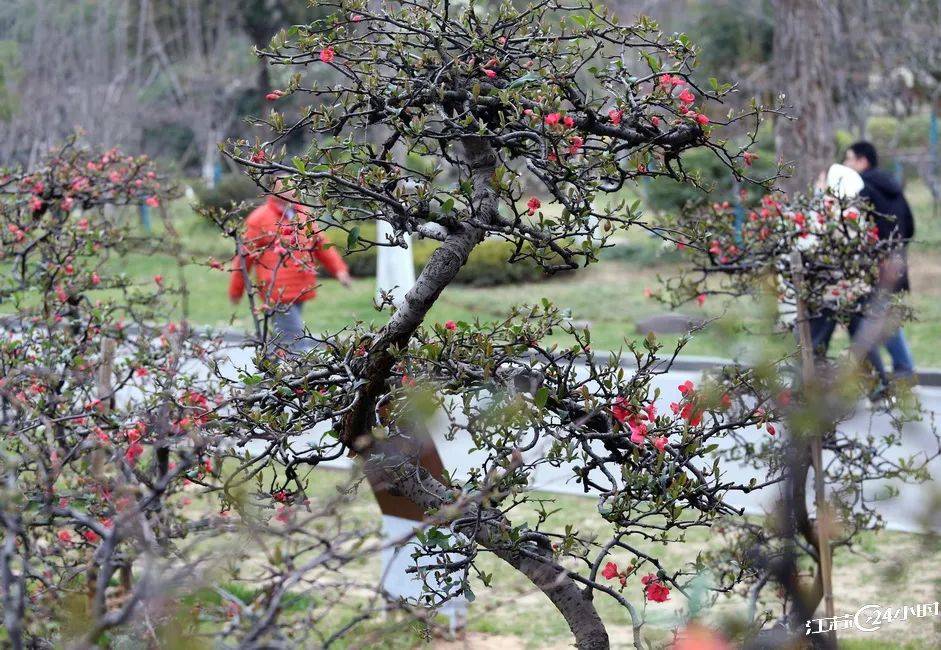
283	244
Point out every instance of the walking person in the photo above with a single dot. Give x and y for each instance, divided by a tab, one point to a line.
284	245
894	220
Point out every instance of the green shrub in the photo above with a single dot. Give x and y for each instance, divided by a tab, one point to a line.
486	267
665	195
231	188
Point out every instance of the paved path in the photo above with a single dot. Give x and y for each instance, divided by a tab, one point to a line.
906	511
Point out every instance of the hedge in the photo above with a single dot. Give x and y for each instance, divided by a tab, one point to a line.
487	265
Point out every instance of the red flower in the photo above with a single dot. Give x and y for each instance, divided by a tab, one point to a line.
784	398
568	121
280	496
450	325
258	156
35	203
691	414
702	119
654	590
686	96
159	280
575	144
686	387
701	299
661	443
134	451
356	18
615	116
770	429
274	95
327	54
610	571
726	401
67	203
655	120
620	410
638	433
749	157
491	74
152	201
552	119
715	248
91	536
533	204
65	537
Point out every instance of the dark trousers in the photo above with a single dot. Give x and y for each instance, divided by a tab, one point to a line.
821	331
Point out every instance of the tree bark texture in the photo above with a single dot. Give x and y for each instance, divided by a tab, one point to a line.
803	71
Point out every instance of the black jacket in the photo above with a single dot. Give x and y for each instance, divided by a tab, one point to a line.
894	217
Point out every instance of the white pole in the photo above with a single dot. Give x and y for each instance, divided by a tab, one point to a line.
395	266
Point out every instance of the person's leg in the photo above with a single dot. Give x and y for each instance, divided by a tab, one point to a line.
821	331
861	328
289	328
903	365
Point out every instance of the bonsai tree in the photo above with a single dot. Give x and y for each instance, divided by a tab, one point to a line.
532	120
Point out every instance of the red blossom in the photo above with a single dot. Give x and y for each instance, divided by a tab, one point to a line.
654	590
686	96
660	443
620	410
533	204
702	119
568	121
491	74
552	119
610	571
749	158
327	54
615	116
450	325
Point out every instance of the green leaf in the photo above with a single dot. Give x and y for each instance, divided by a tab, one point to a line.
529	77
448	205
541	396
299	164
352	237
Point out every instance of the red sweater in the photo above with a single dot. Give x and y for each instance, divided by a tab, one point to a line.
284	249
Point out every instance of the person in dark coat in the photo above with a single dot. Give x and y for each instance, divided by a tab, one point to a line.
894	220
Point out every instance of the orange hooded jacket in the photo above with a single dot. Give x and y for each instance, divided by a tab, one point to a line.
283	246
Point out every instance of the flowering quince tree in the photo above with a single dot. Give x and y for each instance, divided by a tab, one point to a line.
112	499
837	238
841	257
565	99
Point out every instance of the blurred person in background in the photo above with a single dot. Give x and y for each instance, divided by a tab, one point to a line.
284	245
895	220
